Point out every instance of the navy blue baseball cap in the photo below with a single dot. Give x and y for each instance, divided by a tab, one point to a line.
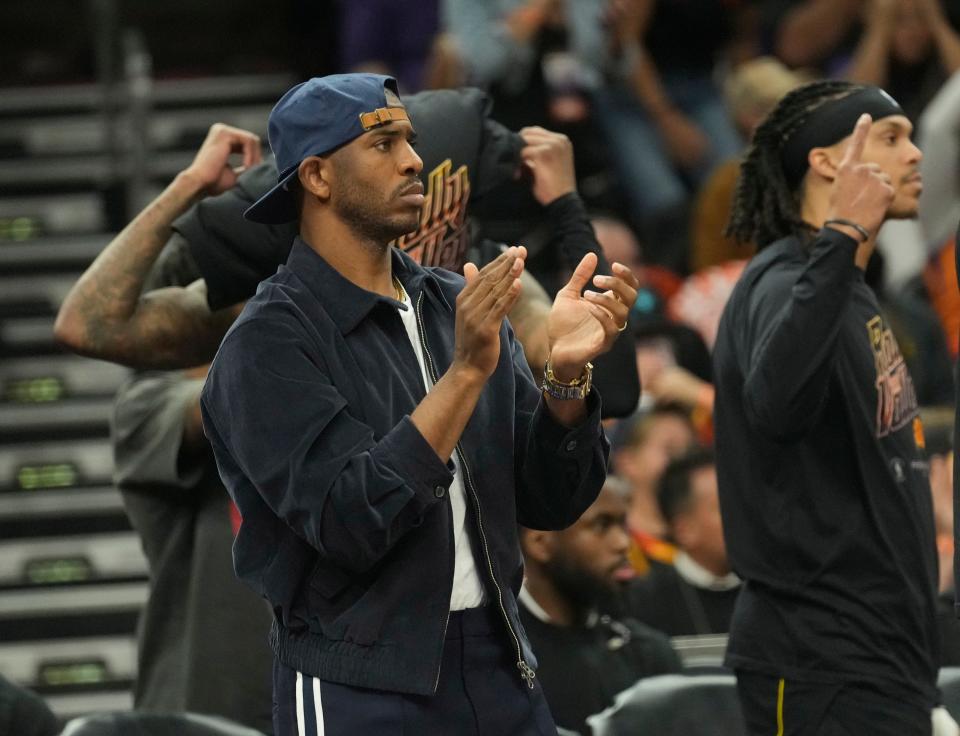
314	118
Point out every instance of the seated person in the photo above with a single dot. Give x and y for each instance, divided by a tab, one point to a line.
566	603
696	594
648	444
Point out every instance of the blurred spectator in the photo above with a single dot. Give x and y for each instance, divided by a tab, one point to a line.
657	284
938	134
202	640
24	713
699	302
586	655
909	48
908	245
202	635
938	437
618	242
526	53
665	120
657	436
751	91
674	364
392	37
695	595
940	283
662	344
812	33
754	88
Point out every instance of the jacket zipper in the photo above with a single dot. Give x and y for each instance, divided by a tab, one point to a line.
527	673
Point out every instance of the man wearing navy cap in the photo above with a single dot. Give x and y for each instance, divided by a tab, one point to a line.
379	430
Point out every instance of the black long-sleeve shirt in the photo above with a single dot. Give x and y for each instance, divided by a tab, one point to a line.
824	485
615	373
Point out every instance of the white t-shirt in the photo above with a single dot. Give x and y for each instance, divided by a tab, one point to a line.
467	590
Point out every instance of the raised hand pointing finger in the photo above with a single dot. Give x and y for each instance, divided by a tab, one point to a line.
858	140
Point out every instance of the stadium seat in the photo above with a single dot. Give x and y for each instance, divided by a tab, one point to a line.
674	705
949	683
154	724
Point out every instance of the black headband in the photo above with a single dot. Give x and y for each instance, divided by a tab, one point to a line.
829	123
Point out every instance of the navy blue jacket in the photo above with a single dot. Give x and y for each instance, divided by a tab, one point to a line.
346	517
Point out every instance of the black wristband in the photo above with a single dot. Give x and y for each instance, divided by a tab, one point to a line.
850	223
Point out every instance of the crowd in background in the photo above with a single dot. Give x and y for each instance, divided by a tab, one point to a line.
659	98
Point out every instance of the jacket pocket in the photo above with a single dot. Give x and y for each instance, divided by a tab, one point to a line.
340	609
328	581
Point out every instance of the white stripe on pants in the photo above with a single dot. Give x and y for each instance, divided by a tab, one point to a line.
317	706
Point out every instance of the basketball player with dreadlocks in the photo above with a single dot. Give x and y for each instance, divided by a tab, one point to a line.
823	482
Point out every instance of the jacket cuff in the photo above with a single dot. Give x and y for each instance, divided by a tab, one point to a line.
565	441
411	457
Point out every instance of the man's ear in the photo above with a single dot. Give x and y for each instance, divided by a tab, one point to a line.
824	162
315	174
537	545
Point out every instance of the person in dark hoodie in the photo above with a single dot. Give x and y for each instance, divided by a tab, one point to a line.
823	481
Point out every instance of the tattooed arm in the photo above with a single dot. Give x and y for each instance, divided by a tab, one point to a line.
107	316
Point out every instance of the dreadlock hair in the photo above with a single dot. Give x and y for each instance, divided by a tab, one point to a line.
765	207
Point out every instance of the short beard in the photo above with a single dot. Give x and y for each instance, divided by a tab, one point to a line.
364	214
581	588
899	210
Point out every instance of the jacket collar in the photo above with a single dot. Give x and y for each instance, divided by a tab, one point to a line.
345	302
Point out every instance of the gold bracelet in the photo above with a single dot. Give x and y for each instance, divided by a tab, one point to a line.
579	388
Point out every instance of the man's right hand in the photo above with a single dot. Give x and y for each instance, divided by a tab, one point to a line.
489	295
211	171
862	192
548	156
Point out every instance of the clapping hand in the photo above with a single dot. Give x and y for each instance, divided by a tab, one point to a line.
582	325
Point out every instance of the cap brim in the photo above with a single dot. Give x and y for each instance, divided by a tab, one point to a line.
276	207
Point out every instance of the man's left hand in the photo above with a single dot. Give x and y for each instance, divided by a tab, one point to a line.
582	326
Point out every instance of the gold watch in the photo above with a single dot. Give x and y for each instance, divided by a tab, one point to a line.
576	389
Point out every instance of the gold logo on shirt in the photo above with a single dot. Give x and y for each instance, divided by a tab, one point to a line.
442	238
918	437
896	396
